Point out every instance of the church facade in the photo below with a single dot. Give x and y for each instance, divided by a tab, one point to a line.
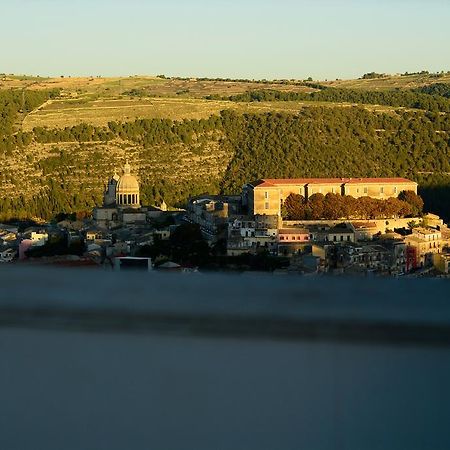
121	202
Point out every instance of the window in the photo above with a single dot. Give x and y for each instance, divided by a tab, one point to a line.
332	190
381	190
366	190
395	189
300	191
357	190
266	205
266	195
281	238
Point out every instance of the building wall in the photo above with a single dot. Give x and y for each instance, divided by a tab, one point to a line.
325	188
293	237
268	199
265	201
341	237
377	190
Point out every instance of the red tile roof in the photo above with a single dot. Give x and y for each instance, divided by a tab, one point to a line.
380	180
273	182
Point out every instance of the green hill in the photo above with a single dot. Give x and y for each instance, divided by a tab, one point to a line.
52	163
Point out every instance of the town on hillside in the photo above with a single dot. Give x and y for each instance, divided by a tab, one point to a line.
308	226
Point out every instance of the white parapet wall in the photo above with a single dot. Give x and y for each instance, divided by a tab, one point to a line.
381	225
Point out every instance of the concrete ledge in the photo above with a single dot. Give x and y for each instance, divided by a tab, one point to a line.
258	306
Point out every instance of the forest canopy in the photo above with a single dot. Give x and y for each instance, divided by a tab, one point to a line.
429	101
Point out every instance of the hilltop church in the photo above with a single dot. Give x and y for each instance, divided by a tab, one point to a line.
122	204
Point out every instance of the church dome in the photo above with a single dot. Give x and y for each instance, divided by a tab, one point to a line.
127	183
127	190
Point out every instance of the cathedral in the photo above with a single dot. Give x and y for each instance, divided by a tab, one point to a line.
122	192
122	204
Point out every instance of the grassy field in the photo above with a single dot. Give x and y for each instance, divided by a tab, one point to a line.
153	86
150	86
97	100
64	113
389	82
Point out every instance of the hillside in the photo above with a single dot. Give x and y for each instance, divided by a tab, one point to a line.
58	150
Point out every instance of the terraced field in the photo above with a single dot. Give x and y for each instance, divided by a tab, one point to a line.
64	113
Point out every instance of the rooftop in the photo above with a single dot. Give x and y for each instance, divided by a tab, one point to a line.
293	231
273	182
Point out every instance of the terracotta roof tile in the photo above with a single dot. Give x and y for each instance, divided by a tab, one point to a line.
274	182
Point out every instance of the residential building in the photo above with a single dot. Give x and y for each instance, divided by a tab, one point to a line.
424	242
343	232
292	240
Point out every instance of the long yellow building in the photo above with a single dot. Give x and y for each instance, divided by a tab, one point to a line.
266	196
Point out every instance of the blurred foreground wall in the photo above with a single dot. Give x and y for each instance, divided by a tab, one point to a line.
93	360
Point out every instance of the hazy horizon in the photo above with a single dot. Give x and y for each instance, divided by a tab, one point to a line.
229	39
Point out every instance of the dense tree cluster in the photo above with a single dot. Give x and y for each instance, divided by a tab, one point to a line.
54	199
13	102
142	131
442	89
80	133
186	246
373	75
396	98
335	142
335	206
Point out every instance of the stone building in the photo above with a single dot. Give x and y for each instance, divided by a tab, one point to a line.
266	196
423	243
121	202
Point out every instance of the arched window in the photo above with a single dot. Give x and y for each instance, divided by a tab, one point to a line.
129	199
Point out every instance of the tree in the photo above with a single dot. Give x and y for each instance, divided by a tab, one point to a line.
315	206
414	200
294	207
332	206
188	245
